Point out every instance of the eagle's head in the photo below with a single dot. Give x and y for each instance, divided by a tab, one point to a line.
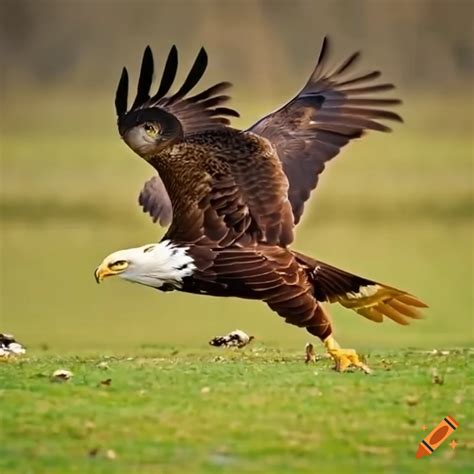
149	131
153	265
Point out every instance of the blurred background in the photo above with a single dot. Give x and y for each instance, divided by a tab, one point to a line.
396	208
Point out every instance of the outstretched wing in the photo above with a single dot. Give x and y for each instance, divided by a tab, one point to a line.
334	107
197	113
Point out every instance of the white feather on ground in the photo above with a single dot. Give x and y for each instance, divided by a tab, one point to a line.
235	338
9	346
61	375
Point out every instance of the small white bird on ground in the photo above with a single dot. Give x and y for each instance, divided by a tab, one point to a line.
9	347
61	375
235	338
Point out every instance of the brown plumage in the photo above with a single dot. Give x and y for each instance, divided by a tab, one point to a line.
232	198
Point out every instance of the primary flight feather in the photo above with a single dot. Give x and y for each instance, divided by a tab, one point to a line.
232	198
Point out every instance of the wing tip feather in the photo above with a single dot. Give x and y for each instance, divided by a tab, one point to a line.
121	94
324	49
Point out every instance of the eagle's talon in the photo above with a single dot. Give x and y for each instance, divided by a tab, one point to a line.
344	358
347	358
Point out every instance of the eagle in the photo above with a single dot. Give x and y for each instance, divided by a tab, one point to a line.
232	198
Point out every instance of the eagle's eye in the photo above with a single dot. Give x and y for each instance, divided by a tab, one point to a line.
151	130
118	265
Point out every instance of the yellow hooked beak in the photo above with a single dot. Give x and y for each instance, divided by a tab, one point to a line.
102	272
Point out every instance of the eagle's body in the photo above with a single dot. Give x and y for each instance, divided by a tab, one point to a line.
232	198
230	176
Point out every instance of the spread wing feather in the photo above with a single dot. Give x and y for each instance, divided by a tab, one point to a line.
169	74
328	112
121	96
194	75
145	79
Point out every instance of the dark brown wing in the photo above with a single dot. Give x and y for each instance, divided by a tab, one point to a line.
217	215
264	187
334	107
208	206
267	273
198	113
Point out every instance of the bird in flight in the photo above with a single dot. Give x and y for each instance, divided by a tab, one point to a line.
232	198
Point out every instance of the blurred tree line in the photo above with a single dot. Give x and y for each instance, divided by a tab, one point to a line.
261	45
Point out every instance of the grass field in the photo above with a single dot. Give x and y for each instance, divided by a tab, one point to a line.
396	208
258	410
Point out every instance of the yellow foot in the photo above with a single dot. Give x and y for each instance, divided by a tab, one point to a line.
344	358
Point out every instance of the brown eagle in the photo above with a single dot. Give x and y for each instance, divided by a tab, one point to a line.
232	198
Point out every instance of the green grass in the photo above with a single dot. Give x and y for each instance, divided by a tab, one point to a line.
396	208
262	410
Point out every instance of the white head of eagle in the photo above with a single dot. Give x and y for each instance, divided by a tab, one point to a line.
152	265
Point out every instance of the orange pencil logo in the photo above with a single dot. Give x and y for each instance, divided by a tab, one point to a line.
431	442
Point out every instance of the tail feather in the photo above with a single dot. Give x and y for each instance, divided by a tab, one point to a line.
381	300
366	297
